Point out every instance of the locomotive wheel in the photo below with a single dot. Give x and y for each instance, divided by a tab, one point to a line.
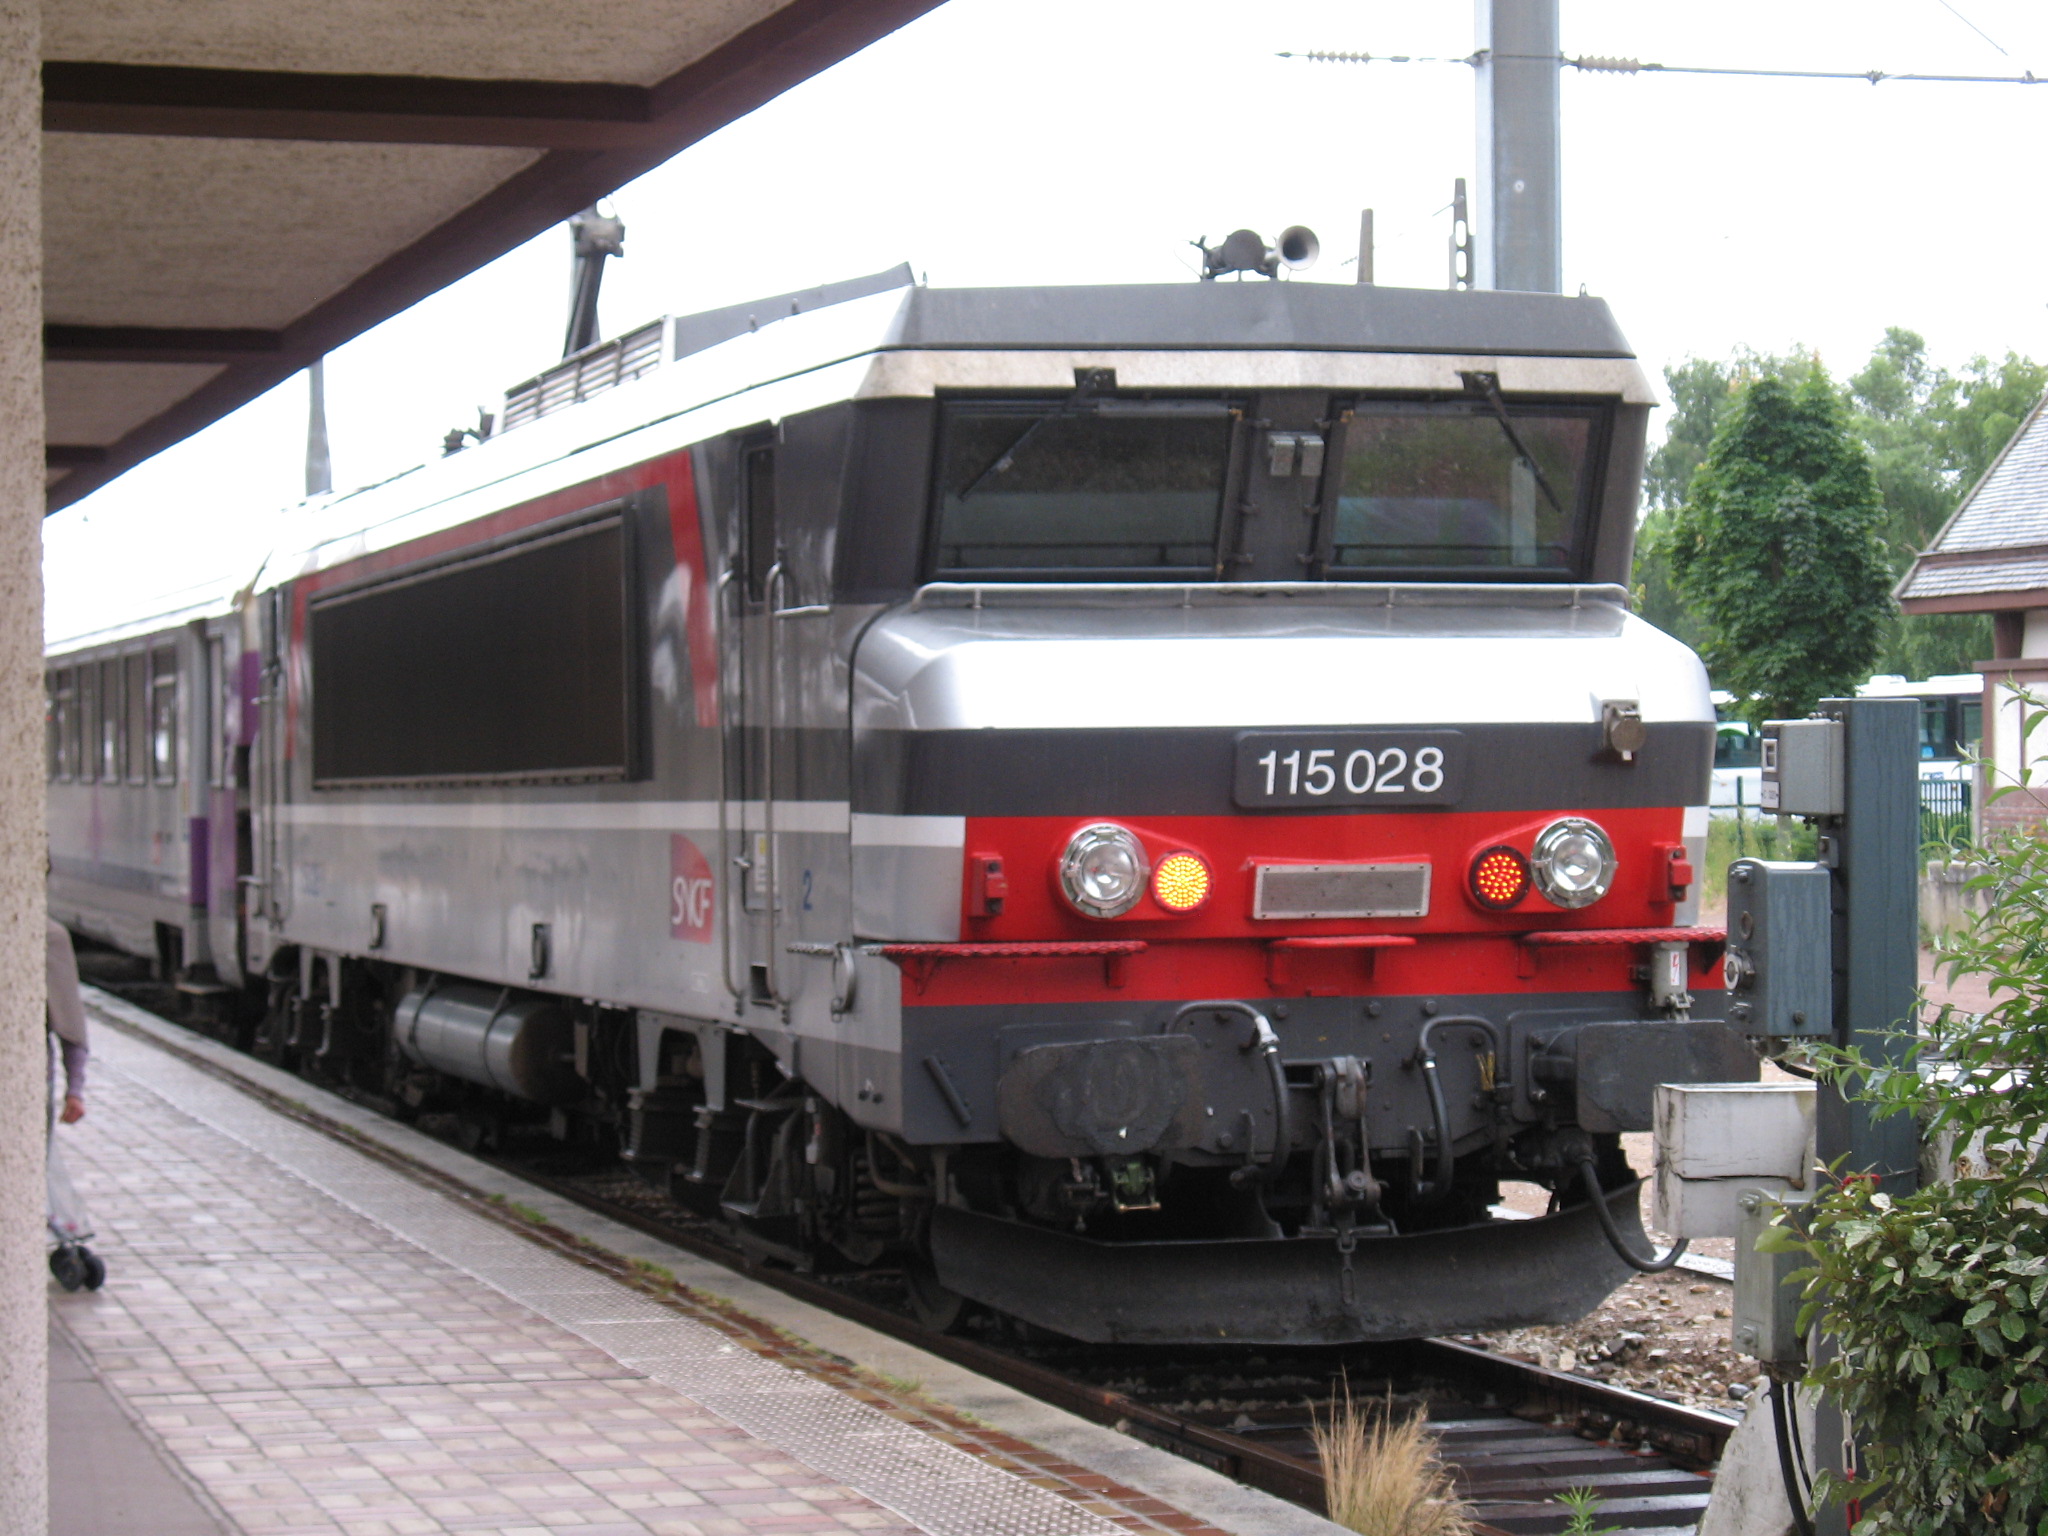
95	1269
68	1265
934	1306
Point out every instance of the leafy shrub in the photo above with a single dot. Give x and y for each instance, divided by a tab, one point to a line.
1934	1300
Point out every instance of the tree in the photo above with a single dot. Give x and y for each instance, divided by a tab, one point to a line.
1778	548
1931	435
1915	422
1700	392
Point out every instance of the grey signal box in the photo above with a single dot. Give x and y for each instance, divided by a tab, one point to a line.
1766	1322
1802	768
1780	965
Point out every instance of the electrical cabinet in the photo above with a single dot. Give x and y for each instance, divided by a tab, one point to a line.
1780	966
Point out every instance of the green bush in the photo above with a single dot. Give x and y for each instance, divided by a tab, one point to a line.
1750	837
1934	1300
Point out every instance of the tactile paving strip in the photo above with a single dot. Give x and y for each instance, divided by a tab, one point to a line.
942	1490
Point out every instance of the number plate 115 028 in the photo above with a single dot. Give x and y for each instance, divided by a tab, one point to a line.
1349	768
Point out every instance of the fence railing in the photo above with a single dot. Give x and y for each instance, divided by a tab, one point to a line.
1945	812
1945	806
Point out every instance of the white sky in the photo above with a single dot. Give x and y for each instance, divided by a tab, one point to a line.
1079	141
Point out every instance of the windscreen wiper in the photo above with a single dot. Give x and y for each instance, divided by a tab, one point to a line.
1487	385
1089	383
1000	464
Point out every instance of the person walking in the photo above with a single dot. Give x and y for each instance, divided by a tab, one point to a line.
65	1017
71	1262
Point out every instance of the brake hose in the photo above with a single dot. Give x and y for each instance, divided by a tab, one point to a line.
1425	1061
1615	1240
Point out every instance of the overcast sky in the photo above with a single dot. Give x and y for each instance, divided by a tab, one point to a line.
1074	141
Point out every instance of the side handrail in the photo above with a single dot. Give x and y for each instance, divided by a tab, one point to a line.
771	692
719	603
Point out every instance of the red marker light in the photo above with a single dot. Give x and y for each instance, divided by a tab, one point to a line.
1500	878
1181	882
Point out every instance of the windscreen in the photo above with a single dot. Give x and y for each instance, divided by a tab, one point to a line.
1055	492
1463	488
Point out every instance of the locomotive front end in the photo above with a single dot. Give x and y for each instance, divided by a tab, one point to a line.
1267	927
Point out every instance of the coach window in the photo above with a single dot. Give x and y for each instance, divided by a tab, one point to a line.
163	715
1054	490
135	739
85	724
113	721
1462	489
57	685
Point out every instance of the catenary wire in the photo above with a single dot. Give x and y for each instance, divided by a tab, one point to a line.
1598	64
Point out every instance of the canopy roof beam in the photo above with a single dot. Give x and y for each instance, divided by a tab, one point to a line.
174	101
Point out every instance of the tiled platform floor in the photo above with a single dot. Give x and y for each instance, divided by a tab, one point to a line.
313	1361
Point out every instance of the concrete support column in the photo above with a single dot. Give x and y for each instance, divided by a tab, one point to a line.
24	1305
1519	220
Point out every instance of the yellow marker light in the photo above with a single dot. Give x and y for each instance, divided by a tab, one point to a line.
1181	882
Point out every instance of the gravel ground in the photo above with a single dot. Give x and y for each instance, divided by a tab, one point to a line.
1666	1335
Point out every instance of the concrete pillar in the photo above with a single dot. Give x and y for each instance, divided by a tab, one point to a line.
24	1305
1519	220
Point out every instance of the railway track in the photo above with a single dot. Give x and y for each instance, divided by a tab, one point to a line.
1516	1434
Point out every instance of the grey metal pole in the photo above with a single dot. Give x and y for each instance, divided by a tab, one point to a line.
1520	221
319	469
1365	246
1875	850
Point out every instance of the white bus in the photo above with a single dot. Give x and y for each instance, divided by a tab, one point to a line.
1951	728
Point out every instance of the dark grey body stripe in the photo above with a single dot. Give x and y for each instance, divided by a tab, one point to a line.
1176	772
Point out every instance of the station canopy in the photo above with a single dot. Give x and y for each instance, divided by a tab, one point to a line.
232	188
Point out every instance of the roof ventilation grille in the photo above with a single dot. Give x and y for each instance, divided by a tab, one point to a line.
590	372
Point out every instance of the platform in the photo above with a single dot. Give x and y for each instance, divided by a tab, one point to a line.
302	1333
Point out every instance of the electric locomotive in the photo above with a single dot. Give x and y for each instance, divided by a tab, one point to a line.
1140	807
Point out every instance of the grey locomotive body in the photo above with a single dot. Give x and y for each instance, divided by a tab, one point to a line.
1139	806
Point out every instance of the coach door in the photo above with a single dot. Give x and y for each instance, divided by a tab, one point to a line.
751	671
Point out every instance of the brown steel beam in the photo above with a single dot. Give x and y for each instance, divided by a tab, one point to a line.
176	101
780	51
155	344
72	455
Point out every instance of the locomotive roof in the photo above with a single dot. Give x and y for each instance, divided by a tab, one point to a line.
1259	316
874	337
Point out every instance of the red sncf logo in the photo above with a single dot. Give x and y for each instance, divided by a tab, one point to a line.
690	891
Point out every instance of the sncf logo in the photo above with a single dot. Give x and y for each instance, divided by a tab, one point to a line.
690	891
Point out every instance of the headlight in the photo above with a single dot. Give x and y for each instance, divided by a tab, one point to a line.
1573	862
1103	871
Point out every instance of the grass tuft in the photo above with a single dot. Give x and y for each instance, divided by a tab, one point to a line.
1383	1477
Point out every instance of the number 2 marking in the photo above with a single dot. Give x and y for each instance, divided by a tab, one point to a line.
1390	782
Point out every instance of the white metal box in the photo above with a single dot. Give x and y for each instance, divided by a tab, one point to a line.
1715	1140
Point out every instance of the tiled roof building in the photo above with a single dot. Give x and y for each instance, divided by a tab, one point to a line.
1992	557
